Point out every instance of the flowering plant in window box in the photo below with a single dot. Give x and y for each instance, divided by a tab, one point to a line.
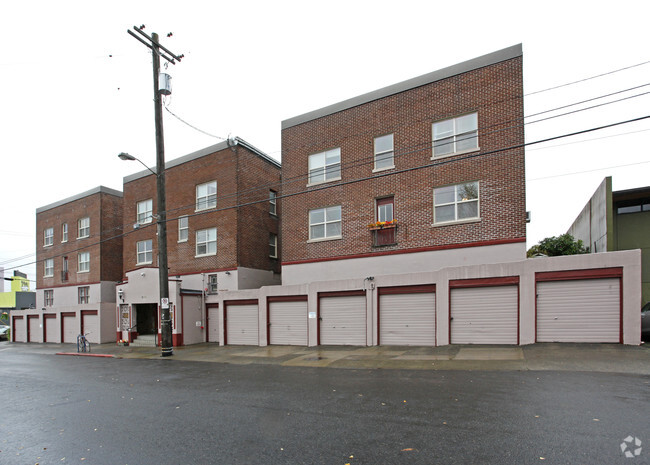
382	224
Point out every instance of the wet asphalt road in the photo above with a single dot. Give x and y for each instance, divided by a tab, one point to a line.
81	410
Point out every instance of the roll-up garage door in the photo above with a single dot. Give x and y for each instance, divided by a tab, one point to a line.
90	325
34	328
20	329
582	310
213	324
242	325
288	323
69	328
343	320
50	328
407	319
485	315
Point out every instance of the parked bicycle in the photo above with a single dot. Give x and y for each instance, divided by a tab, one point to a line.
82	343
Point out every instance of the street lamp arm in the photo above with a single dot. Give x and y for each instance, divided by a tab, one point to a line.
126	156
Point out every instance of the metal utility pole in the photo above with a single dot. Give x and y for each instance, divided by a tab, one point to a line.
165	317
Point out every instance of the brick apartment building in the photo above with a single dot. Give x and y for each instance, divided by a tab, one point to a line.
222	234
429	158
79	256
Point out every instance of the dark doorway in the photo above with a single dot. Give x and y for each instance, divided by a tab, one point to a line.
146	318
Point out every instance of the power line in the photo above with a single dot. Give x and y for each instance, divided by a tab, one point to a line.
588	171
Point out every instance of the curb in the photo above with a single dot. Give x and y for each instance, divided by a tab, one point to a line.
81	354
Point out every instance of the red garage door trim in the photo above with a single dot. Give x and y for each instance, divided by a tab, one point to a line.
47	316
28	337
331	294
279	298
616	272
13	329
415	289
63	315
228	303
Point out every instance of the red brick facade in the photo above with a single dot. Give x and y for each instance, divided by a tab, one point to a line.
494	91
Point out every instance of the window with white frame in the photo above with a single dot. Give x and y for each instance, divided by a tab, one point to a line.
325	166
83	294
325	223
48	237
384	152
206	242
64	232
206	195
183	229
273	245
456	203
48	297
144	211
455	135
84	262
49	268
144	251
212	284
273	202
83	228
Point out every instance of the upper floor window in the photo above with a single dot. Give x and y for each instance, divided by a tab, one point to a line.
48	296
49	268
456	203
206	195
384	152
83	294
455	135
212	284
183	229
325	223
325	166
64	232
145	211
273	204
48	237
206	242
273	245
144	252
83	228
84	262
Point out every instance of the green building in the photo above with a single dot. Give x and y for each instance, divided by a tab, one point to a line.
19	297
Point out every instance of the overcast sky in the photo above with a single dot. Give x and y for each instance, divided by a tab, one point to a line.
77	89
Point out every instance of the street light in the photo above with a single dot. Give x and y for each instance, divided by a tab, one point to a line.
166	322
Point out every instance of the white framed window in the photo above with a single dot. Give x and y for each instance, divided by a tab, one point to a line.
206	242
325	166
83	294
48	297
273	245
273	202
456	203
48	237
212	284
384	154
84	262
144	211
455	135
144	251
206	195
325	223
64	232
49	268
83	227
183	229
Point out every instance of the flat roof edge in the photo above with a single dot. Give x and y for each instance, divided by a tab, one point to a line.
453	70
95	190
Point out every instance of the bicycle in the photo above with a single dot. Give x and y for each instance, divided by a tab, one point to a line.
82	343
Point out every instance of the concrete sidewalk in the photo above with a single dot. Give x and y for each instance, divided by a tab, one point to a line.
613	358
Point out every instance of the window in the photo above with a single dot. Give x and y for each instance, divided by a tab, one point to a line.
64	271
325	223
84	228
64	232
206	195
145	211
384	152
183	229
455	135
84	262
84	294
206	242
49	268
385	209
144	251
212	284
385	213
325	166
273	198
48	296
456	203
273	245
48	237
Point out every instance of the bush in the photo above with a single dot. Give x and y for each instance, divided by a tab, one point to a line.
556	246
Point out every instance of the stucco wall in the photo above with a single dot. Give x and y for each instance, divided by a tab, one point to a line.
591	224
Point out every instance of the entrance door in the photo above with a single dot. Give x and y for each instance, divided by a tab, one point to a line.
146	318
213	323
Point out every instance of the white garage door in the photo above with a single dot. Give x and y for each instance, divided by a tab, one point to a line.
288	323
583	310
51	329
213	324
70	329
20	329
90	323
407	319
484	315
34	329
242	325
343	320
